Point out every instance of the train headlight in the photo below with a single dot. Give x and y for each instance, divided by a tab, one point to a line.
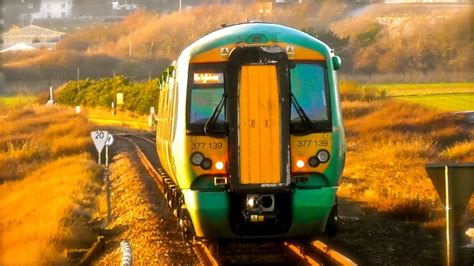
300	163
219	165
253	201
206	164
323	156
197	158
313	161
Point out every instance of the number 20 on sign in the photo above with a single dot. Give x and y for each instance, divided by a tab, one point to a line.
99	138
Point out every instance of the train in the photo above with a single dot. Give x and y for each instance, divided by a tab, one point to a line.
249	134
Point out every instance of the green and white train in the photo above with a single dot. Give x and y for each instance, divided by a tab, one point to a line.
250	134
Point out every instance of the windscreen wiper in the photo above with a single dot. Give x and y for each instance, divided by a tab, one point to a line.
211	123
301	113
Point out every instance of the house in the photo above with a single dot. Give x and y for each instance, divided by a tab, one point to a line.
13	12
53	9
32	35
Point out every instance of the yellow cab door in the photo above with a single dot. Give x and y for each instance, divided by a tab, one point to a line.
259	125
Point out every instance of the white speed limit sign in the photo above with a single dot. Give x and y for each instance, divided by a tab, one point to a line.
99	138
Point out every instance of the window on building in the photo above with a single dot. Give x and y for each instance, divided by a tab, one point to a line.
48	15
63	14
63	5
48	6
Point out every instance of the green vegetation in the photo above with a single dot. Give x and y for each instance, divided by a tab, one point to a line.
101	116
425	89
138	97
13	101
446	102
441	96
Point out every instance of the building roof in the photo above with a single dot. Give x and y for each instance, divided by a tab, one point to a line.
32	30
18	47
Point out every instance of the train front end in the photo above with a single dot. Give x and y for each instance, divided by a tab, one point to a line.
263	143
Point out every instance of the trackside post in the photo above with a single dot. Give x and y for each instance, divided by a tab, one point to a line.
454	183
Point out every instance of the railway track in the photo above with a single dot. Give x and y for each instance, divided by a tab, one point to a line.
314	253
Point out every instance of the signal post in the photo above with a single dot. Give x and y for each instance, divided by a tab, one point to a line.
454	183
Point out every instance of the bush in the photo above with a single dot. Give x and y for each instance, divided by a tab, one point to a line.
138	97
351	91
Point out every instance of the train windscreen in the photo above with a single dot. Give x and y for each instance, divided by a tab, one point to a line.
207	90
308	85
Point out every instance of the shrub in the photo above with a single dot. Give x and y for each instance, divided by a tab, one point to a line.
138	97
351	91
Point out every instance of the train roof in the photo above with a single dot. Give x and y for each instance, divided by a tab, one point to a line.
239	33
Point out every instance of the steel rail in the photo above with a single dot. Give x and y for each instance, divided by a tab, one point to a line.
145	162
333	254
205	255
201	250
299	252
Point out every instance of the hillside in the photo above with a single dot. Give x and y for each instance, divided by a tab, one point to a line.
381	41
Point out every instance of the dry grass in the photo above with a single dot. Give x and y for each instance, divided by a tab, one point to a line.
389	143
49	183
31	136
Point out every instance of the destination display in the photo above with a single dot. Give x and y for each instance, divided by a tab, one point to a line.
208	78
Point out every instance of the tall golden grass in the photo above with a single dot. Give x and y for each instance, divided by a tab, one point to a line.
48	181
31	136
388	144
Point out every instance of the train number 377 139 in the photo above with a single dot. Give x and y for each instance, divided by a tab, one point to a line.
210	145
310	142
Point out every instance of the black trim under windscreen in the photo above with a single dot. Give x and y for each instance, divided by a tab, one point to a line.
220	129
299	128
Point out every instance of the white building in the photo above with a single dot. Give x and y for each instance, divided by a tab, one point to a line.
54	9
117	6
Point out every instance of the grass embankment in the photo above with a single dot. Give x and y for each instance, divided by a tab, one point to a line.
446	102
48	183
104	117
442	96
389	143
14	101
